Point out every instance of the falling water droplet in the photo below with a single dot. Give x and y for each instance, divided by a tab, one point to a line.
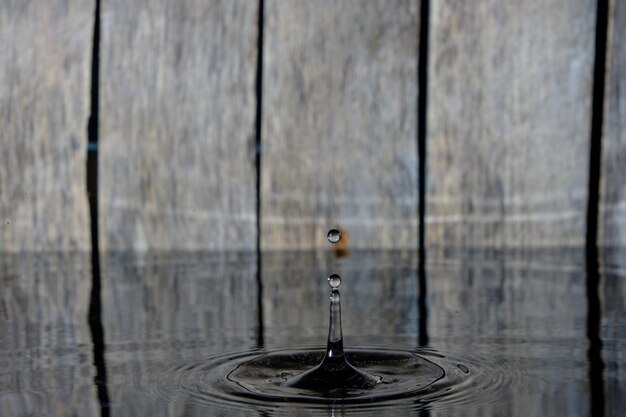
333	236
334	372
359	376
334	281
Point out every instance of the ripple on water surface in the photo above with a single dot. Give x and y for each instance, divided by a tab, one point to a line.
411	380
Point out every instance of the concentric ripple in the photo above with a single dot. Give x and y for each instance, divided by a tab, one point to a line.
411	379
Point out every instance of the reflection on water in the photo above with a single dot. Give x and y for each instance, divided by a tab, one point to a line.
522	315
45	343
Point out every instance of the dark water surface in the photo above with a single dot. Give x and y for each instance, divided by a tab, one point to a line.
510	330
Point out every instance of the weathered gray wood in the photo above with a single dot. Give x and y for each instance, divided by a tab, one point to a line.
165	308
612	230
177	151
46	348
45	68
339	122
613	298
179	298
379	297
509	102
525	314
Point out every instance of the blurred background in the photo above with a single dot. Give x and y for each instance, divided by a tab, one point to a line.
169	170
211	125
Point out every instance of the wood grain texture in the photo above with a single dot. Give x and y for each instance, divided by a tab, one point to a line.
613	296
612	224
177	159
379	293
45	70
185	298
46	343
476	299
165	308
339	123
509	102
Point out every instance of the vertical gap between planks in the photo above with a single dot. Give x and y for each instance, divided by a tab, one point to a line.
594	308
258	126
95	303
597	114
422	78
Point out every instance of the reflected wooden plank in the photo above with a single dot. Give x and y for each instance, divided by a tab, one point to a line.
177	159
509	111
378	297
45	72
612	224
161	307
613	299
527	316
46	365
339	123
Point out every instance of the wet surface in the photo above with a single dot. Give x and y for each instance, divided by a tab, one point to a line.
511	331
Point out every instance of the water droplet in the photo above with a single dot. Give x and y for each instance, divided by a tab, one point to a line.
335	372
334	281
463	368
8	222
333	236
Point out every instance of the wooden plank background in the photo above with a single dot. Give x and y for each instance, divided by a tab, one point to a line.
339	123
184	297
509	111
178	102
45	70
46	351
160	308
523	302
612	224
613	296
384	279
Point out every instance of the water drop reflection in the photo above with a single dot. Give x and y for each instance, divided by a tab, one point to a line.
333	236
334	281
